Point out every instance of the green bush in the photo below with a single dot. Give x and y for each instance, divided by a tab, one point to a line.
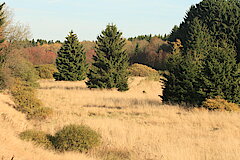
143	71
115	154
76	138
220	104
38	137
46	71
26	101
16	67
40	113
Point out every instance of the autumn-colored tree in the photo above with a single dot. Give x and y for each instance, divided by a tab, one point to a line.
39	55
152	53
53	47
2	21
2	55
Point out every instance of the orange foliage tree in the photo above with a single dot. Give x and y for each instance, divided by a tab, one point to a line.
39	55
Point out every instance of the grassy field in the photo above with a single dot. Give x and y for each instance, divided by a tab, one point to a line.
134	125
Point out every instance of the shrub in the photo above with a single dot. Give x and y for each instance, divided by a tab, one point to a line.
143	71
46	71
24	97
76	138
16	67
20	77
39	113
38	137
26	101
114	154
220	104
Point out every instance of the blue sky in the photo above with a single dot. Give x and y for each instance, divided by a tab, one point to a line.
53	19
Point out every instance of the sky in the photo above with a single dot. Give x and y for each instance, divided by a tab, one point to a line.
54	19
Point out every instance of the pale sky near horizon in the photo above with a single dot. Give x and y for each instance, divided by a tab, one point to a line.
53	19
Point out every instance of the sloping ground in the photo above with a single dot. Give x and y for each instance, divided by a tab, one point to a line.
133	124
12	123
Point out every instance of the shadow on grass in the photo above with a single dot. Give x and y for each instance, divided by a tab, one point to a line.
102	106
65	88
134	102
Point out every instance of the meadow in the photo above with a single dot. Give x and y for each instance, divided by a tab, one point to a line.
134	125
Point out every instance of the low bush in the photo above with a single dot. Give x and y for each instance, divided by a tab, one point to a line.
24	97
40	113
38	137
26	101
143	71
76	138
114	154
220	104
46	71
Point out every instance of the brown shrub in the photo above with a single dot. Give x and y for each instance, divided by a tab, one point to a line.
143	71
220	104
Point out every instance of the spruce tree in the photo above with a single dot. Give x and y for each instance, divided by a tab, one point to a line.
109	69
221	17
181	84
221	74
71	60
207	66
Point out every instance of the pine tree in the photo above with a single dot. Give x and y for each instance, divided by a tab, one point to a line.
199	40
221	74
221	17
173	35
182	85
207	66
109	69
71	60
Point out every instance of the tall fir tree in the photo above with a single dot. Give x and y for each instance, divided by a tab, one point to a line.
109	69
192	79
221	74
71	60
221	17
207	66
182	84
199	40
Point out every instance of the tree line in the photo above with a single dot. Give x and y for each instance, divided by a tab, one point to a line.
201	56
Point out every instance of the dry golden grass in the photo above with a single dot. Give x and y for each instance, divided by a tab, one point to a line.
134	125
